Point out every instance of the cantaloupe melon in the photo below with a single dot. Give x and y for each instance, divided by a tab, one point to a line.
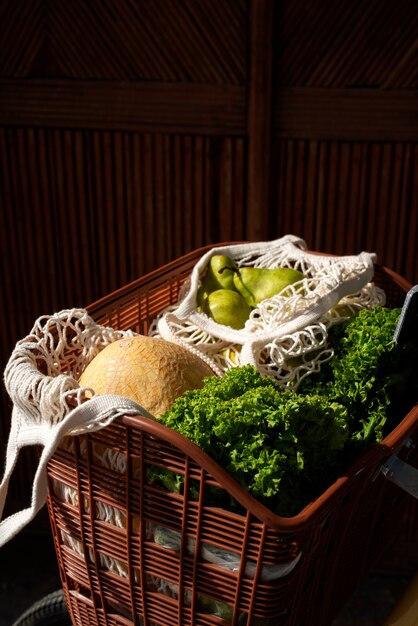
149	370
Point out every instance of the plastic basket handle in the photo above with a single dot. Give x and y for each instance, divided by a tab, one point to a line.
397	471
401	473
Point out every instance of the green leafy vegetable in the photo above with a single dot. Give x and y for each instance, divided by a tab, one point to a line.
286	446
370	375
272	440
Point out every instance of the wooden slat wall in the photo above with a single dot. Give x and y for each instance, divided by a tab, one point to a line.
96	209
348	45
345	128
134	131
350	196
122	146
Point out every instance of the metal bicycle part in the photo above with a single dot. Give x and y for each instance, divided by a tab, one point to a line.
401	473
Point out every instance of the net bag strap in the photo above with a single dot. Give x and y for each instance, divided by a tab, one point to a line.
48	402
92	415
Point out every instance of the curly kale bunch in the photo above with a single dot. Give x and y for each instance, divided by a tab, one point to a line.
279	445
374	378
286	446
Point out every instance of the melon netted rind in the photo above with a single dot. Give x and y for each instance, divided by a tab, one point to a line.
150	371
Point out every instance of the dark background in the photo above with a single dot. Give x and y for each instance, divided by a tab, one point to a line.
132	132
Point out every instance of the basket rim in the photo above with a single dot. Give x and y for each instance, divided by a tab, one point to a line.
371	457
150	277
368	460
170	268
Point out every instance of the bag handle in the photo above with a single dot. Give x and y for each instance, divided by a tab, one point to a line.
89	416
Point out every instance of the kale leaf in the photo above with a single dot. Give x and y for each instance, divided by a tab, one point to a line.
284	445
273	441
374	378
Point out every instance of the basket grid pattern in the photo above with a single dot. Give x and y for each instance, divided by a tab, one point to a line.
251	540
118	571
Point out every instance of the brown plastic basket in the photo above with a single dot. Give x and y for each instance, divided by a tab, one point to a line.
174	560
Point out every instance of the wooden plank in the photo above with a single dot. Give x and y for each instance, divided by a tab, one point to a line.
347	115
163	107
346	44
408	257
259	118
344	197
